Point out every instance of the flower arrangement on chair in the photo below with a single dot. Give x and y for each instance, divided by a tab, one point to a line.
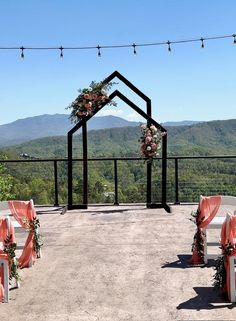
9	250
90	100
198	239
150	141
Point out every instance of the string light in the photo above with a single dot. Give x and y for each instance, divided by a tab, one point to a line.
202	40
99	52
134	45
22	52
61	55
169	47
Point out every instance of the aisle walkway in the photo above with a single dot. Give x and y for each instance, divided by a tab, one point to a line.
115	264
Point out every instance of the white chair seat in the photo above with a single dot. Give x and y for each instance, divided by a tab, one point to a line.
216	223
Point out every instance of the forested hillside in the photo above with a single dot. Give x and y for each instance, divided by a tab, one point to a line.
208	138
196	176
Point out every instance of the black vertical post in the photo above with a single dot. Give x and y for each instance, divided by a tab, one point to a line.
85	164
69	164
56	183
116	182
149	184
176	182
164	168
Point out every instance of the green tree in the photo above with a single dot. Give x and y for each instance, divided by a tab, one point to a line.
6	181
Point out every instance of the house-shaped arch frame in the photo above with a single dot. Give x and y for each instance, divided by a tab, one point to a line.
83	124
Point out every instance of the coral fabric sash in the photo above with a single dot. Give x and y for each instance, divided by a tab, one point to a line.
6	230
228	235
209	206
207	209
24	211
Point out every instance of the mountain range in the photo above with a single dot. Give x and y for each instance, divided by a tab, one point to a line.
23	130
30	128
206	138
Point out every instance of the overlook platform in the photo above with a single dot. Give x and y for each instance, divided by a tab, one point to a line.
116	263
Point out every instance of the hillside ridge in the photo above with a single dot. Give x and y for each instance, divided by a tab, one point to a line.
207	138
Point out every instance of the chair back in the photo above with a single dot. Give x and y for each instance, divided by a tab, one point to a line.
228	234
227	205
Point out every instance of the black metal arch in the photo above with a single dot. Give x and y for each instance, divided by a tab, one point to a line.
83	124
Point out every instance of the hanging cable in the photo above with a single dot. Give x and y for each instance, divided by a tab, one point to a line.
134	45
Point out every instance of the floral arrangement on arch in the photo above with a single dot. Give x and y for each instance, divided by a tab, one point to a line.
90	100
150	141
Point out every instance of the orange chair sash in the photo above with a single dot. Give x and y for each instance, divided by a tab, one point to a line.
24	212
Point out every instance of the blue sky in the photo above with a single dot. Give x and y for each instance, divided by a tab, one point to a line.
188	83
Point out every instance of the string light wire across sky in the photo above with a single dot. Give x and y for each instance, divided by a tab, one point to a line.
179	53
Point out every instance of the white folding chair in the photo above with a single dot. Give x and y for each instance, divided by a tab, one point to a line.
228	205
1	246
232	263
4	264
5	210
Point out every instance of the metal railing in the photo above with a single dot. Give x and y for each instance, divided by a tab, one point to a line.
174	182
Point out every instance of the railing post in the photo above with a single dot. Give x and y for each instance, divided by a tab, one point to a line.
69	174
85	165
149	185
56	183
176	182
116	182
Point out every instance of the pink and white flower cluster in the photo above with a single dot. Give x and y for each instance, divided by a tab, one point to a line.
89	100
150	141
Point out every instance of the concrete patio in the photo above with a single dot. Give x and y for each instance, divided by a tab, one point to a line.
116	263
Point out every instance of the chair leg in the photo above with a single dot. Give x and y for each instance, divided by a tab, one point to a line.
30	262
205	246
232	279
39	254
6	279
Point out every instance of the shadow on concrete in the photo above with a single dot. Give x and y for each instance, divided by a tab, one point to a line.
50	210
208	298
183	263
110	211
